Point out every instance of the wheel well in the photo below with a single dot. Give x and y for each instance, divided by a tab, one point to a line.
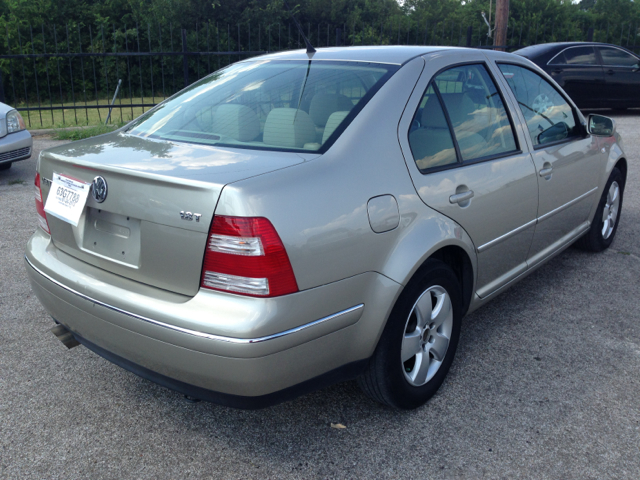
458	260
622	166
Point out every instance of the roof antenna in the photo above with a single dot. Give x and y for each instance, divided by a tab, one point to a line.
310	49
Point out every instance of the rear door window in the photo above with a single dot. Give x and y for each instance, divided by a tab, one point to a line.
576	56
613	57
549	117
461	118
478	116
430	138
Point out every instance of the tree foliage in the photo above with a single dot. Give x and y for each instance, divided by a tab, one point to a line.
38	26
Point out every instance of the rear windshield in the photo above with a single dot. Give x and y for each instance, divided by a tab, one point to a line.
275	105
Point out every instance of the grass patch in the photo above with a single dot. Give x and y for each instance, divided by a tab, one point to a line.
79	134
120	113
17	181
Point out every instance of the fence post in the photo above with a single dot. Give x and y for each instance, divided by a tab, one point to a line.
338	37
185	63
3	100
590	34
469	35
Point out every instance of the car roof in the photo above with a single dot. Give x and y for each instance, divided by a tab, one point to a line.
390	54
535	52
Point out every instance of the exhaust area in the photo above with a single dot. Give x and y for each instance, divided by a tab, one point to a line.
65	336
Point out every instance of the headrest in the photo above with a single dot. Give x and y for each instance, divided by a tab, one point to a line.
432	115
236	121
288	127
324	104
459	106
334	120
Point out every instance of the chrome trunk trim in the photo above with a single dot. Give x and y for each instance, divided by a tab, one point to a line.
209	336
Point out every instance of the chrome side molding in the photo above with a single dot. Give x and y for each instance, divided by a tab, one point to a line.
566	205
502	238
542	218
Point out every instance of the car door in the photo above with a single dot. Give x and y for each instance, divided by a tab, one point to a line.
622	77
466	161
566	158
578	72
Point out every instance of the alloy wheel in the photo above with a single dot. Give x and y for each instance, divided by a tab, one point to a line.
610	211
427	335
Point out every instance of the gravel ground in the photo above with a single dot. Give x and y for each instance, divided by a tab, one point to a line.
545	385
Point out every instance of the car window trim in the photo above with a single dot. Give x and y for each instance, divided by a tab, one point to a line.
576	64
487	158
614	48
258	59
542	146
447	118
460	162
576	118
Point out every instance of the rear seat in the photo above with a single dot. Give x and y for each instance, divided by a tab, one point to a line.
467	120
431	144
236	121
323	106
289	127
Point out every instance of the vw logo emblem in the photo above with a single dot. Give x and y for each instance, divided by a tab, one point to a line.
99	189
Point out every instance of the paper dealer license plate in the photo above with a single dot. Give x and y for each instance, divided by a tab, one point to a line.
67	198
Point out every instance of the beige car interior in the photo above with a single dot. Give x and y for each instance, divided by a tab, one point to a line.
284	127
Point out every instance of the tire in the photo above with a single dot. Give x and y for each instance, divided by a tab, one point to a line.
605	221
433	292
5	166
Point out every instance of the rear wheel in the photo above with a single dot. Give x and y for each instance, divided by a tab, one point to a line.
419	341
5	166
605	222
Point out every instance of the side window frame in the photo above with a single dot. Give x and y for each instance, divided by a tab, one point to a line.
561	52
459	162
576	117
601	58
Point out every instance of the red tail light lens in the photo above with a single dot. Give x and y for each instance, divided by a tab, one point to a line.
245	255
42	218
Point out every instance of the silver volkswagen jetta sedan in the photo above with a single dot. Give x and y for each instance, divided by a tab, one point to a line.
295	220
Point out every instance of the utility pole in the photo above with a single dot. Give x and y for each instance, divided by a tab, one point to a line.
502	20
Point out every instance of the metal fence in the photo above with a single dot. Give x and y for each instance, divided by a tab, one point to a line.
67	75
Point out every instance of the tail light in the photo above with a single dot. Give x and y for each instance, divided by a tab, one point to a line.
245	255
42	218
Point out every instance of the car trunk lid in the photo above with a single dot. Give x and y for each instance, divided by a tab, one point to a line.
152	226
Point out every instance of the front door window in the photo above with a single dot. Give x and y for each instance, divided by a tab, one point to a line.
550	119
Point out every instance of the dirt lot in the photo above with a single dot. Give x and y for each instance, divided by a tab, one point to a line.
546	384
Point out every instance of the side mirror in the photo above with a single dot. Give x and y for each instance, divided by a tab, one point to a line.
601	126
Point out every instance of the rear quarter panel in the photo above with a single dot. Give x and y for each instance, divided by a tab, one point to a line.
319	208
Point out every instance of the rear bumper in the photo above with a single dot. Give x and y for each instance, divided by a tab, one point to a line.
346	372
15	146
238	351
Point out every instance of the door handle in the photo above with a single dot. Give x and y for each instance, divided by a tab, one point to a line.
610	72
461	197
557	70
545	172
